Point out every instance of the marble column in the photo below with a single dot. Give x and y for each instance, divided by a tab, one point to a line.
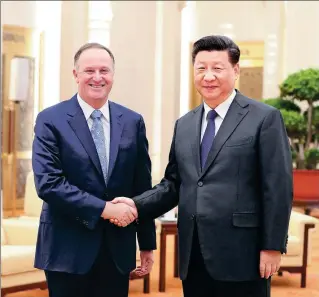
145	39
171	75
74	33
274	47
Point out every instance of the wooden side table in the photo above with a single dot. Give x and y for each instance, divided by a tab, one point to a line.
167	228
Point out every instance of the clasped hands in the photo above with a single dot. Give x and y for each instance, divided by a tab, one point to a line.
120	211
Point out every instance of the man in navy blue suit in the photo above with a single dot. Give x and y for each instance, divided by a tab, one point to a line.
87	151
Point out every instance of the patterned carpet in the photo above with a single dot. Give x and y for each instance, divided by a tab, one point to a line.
286	286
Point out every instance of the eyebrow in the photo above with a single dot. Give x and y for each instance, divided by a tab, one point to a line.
204	63
91	67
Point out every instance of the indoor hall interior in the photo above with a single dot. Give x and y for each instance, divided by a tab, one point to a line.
151	42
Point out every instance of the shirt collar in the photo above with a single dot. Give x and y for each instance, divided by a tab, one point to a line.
222	108
88	109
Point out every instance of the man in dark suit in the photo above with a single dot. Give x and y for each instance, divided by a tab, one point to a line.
86	151
230	173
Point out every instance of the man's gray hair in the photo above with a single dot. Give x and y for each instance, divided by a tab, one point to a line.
91	45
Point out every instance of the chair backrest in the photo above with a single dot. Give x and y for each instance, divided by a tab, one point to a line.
32	203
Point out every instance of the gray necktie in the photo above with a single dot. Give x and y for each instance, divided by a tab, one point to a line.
99	140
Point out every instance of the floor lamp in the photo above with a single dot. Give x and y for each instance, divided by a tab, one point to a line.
18	92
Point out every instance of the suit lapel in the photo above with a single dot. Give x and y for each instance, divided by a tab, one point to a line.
234	116
116	127
194	133
81	129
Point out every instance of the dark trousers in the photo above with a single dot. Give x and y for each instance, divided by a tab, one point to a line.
200	284
103	280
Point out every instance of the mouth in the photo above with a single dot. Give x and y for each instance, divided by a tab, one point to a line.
210	87
97	86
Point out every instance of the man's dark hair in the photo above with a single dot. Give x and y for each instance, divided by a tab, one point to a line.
88	46
217	43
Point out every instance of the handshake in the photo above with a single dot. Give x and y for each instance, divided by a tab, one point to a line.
120	211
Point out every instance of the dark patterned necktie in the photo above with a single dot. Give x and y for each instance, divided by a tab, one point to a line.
208	137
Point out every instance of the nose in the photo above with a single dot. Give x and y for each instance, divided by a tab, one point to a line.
209	76
97	75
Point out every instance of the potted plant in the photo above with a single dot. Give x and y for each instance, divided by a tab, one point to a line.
302	128
303	86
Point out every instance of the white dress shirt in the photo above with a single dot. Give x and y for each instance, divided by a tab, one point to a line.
87	110
221	110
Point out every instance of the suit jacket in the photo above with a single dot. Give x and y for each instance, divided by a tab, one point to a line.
69	179
241	199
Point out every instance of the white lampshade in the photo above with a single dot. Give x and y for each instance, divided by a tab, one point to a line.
19	79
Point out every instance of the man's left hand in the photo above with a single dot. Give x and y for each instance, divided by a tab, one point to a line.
269	263
147	260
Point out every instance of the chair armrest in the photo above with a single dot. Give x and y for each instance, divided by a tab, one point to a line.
20	232
297	223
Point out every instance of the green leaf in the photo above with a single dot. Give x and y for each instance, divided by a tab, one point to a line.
302	85
312	158
280	103
295	124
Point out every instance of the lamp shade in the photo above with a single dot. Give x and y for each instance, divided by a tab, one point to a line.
19	79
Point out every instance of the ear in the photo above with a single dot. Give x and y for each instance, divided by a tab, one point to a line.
75	74
237	70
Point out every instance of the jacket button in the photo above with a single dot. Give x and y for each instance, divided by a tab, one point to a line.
200	183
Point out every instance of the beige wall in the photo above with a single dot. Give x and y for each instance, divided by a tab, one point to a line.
302	35
245	17
21	13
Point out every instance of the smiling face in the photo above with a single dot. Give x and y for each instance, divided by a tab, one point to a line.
214	76
94	72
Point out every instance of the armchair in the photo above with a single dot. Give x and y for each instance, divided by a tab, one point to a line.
18	241
298	257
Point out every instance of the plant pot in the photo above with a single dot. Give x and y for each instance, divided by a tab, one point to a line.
306	185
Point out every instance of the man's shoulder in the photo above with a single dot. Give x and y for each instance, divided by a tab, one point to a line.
127	112
189	115
255	104
258	108
55	111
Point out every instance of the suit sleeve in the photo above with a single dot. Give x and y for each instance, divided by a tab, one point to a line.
276	178
146	233
164	196
51	184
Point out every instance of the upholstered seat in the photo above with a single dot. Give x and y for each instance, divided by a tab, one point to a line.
18	239
298	257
